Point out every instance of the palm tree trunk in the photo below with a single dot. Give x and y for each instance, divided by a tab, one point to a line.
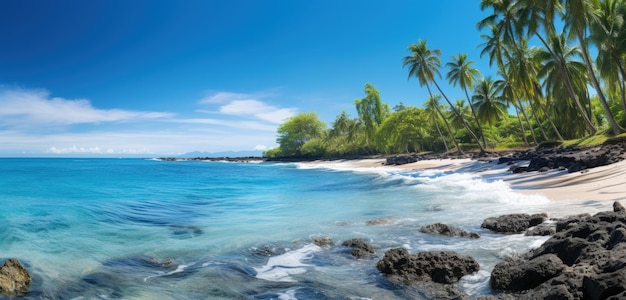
530	127
521	125
547	114
482	149
534	112
445	144
596	85
456	144
480	129
622	85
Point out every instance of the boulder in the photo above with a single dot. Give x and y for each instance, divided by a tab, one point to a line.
447	230
519	275
585	259
617	207
360	248
436	266
14	278
540	230
513	223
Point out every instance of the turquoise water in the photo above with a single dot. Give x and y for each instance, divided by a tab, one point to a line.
149	229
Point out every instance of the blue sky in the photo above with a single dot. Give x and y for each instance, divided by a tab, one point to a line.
144	78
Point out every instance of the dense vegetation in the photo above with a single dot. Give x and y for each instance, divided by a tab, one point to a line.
571	85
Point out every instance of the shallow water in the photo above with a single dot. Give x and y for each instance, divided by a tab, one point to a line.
147	229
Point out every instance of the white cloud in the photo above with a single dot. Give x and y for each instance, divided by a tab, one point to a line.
258	109
225	97
19	107
33	124
249	105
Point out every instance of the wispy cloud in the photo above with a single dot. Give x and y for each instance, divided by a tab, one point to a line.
249	105
34	123
37	107
246	125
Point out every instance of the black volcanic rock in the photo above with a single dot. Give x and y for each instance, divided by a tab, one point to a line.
513	223
585	259
447	230
437	266
360	248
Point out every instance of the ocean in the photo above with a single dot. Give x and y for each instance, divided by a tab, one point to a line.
150	229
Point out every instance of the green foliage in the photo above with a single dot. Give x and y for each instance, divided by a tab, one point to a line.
546	86
297	131
371	110
403	131
272	153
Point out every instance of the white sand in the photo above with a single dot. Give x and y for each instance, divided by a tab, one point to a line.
607	183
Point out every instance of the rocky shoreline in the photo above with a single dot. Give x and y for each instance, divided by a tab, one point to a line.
584	259
571	158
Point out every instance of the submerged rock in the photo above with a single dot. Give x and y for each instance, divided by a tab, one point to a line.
447	230
360	248
437	266
323	241
381	221
14	278
513	223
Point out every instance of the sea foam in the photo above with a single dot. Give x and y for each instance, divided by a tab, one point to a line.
281	267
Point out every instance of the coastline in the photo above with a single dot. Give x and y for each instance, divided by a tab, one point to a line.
602	184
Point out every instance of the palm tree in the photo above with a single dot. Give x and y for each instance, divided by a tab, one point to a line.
424	64
608	32
509	95
462	72
552	74
498	52
533	15
490	104
521	69
434	113
578	15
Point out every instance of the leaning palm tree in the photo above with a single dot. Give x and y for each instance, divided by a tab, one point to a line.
435	115
498	52
534	15
578	16
424	64
521	69
608	32
462	73
576	70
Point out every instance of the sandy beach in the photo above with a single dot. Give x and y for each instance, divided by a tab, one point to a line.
605	184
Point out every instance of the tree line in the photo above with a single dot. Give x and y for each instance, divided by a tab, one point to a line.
572	84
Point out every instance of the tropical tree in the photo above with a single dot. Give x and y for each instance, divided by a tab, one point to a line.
434	114
539	14
578	16
496	47
490	104
347	136
297	131
577	74
424	64
403	131
371	111
608	32
462	73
